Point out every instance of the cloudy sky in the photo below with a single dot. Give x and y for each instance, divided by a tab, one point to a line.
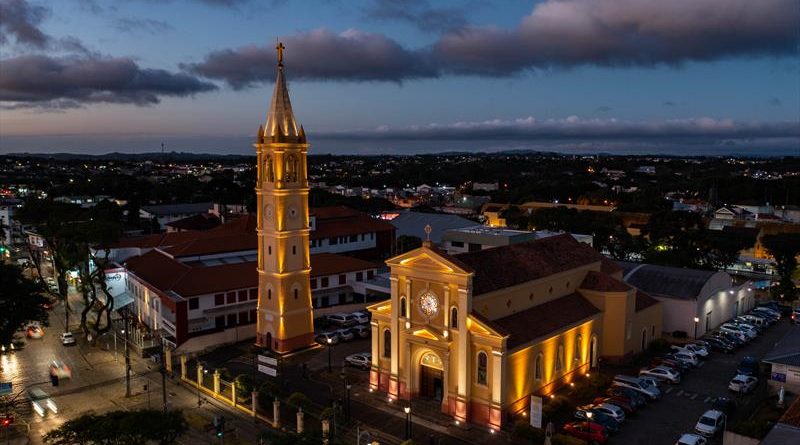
395	76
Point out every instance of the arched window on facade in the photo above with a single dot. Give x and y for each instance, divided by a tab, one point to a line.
644	339
560	358
483	360
387	343
291	168
295	293
454	317
578	349
537	370
269	170
402	306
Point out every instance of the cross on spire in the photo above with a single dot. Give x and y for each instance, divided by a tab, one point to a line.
280	49
428	229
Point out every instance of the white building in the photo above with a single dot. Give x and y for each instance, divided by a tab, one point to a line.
710	297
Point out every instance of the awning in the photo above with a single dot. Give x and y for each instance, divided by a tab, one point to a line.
122	300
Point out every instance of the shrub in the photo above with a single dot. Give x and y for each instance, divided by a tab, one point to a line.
244	384
327	413
679	334
557	408
658	346
266	395
298	400
524	430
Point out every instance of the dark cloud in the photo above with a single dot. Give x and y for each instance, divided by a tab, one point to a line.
419	13
142	25
21	20
318	55
557	33
623	33
574	127
38	81
775	102
668	103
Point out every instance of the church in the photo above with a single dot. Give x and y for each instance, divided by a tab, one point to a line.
480	332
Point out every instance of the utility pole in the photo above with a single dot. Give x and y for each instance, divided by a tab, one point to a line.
163	374
127	356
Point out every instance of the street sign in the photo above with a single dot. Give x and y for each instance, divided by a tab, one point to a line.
6	388
271	361
272	372
536	411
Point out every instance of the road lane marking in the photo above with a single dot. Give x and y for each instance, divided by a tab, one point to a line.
707	399
694	396
679	393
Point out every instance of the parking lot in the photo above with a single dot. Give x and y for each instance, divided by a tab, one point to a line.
662	422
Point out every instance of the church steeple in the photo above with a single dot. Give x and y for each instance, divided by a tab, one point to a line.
281	124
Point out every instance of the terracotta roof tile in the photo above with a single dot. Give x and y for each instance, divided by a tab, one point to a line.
203	221
331	264
603	283
545	319
644	301
219	244
507	266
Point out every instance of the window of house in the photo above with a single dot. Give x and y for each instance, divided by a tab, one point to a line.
387	343
560	358
253	315
194	303
538	369
359	276
219	322
342	279
482	364
231	320
370	274
313	283
244	317
269	250
333	241
353	238
578	348
325	282
402	306
254	294
454	317
231	297
457	243
295	294
219	299
363	236
242	295
294	250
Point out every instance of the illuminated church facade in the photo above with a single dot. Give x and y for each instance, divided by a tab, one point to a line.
481	332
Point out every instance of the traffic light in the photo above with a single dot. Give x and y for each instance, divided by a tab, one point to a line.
219	424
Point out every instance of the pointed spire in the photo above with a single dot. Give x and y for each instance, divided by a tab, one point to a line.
260	134
301	135
280	120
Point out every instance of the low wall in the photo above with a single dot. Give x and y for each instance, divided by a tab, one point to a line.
731	438
208	341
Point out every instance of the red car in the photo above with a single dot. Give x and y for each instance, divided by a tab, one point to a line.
622	402
591	432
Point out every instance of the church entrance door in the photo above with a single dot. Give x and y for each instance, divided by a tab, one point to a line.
431	377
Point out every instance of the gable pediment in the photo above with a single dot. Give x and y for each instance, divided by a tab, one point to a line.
429	260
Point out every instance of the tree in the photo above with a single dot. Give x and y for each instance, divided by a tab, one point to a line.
21	302
784	247
120	428
515	217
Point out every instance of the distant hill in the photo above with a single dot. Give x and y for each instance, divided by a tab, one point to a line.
153	156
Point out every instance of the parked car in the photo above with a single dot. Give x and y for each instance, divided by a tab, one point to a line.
608	409
781	309
342	319
768	311
676	365
698	349
360	317
363	360
591	432
759	322
685	357
34	331
720	345
360	331
60	370
691	439
736	330
327	338
67	339
610	424
621	401
724	404
796	316
638	399
662	373
748	366
345	334
742	384
637	385
737	339
710	423
686	349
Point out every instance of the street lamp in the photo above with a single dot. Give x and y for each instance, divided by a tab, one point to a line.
330	342
347	399
200	402
696	320
407	409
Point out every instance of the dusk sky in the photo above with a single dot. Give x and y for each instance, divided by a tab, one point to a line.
391	76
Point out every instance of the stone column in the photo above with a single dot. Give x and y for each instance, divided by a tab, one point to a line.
199	375
326	428
216	382
299	420
183	367
233	393
254	402
276	413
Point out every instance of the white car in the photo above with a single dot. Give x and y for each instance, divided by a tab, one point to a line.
342	319
742	384
360	317
661	373
710	423
698	350
686	357
610	410
327	338
691	439
362	361
345	334
67	339
360	330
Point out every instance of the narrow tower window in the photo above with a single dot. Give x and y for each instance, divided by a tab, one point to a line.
482	364
387	343
454	317
270	172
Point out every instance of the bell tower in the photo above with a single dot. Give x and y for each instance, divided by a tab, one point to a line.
285	313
